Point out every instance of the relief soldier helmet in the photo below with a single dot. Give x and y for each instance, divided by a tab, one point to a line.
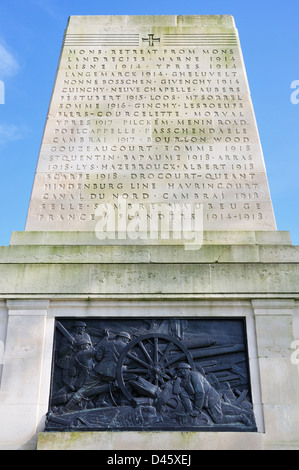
80	323
124	334
184	365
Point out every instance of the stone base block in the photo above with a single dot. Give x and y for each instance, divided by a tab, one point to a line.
149	441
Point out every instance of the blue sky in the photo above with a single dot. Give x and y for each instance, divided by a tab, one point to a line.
31	33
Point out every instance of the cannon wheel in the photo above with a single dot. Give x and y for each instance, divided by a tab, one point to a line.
151	357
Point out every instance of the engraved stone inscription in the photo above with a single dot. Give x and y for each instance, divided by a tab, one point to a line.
150	116
150	374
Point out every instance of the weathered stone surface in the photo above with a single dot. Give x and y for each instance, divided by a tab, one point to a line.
283	427
278	378
148	278
62	254
151	441
247	237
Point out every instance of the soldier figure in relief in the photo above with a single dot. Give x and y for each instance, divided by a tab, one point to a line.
196	393
104	372
70	345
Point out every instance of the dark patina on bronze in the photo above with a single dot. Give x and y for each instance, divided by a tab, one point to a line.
150	374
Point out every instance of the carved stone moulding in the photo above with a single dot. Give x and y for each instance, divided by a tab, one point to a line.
150	374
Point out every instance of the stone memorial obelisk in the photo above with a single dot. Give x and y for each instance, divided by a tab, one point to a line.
147	112
150	299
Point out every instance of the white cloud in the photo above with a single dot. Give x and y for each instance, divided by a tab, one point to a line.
48	8
8	64
10	133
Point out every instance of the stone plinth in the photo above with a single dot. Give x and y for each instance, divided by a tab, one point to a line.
219	268
176	441
249	279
